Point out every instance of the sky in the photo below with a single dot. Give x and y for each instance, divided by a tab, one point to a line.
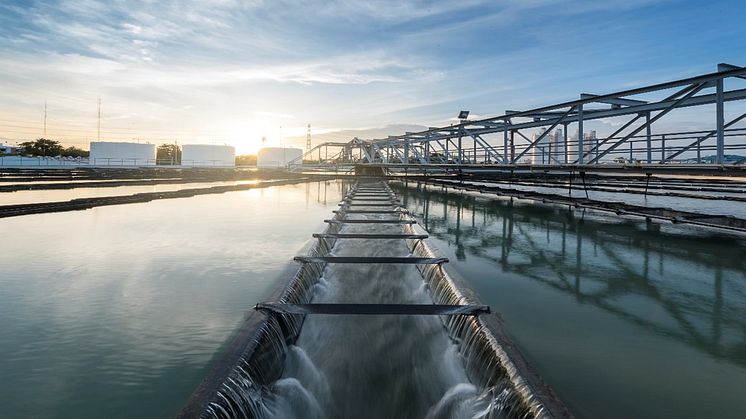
232	72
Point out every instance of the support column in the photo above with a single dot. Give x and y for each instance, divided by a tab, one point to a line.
581	152
649	140
512	146
505	147
460	151
720	119
567	151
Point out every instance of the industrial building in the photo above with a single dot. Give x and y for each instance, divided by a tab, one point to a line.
8	150
104	153
277	157
208	155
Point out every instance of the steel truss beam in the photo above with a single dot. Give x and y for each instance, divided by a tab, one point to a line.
421	146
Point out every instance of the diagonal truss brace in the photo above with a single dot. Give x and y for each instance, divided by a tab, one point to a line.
689	90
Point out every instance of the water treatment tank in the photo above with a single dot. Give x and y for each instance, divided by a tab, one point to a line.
208	155
277	157
105	153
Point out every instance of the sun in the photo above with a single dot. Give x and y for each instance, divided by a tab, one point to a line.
247	136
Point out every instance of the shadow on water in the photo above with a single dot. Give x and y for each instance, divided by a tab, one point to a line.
685	285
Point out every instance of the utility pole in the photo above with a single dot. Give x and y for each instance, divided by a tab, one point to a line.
308	139
98	136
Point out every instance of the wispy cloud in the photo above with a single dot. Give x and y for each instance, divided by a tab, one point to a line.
197	66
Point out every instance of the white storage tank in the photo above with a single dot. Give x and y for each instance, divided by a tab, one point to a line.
105	153
208	155
277	157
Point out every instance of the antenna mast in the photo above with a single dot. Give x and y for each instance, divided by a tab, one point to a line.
98	136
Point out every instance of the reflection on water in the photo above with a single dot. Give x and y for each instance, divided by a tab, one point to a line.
53	195
623	319
117	311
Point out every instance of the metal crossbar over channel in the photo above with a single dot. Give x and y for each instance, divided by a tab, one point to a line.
370	221
348	204
371	259
368	236
376	309
394	211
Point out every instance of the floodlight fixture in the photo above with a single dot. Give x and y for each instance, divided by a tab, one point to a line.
463	115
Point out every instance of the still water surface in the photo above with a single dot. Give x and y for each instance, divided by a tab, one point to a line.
116	312
622	319
54	195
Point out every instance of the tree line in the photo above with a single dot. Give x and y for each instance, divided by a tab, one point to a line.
43	147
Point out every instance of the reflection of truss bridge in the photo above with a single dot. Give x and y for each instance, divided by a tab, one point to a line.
604	267
538	138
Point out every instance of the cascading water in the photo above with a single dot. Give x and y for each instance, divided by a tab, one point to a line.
376	366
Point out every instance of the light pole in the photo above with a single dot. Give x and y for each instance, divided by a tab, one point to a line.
462	116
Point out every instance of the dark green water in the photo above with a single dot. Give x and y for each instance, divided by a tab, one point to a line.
116	312
622	319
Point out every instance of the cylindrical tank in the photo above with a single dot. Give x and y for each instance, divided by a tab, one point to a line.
208	155
105	153
277	157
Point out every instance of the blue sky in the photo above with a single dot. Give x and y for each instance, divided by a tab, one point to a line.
232	71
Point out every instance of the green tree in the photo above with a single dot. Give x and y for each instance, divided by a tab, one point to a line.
41	147
168	154
75	152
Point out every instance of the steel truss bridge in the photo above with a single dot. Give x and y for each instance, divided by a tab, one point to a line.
538	138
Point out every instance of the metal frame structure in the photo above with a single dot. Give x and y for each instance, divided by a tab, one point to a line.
505	140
